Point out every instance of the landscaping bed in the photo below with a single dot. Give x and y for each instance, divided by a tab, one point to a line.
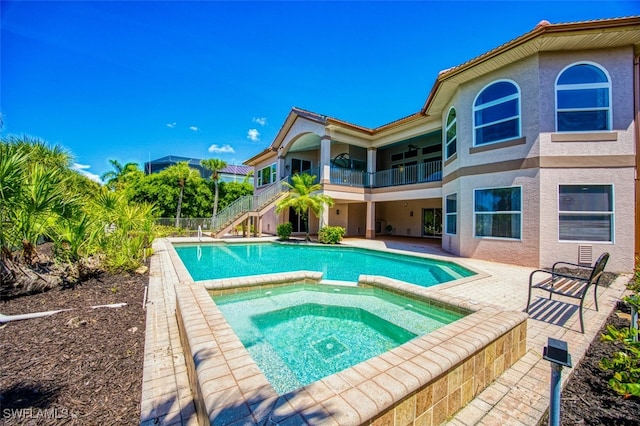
78	367
587	398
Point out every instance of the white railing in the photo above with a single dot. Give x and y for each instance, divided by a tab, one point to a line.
269	194
417	173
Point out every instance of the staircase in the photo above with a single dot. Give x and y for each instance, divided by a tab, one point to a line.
249	205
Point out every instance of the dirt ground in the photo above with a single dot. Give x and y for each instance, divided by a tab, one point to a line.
78	367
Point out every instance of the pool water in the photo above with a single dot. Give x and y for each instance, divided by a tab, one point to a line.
298	334
213	261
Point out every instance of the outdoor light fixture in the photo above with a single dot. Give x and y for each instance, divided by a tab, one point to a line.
557	353
337	212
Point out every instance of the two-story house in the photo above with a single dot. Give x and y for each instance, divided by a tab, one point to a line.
526	154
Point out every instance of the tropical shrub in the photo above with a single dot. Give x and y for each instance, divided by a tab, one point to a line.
625	362
284	230
331	234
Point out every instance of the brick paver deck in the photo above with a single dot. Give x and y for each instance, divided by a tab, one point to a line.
520	396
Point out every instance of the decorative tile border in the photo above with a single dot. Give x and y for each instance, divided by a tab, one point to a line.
424	381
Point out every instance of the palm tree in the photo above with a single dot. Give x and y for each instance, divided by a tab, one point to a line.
215	166
181	173
115	178
302	199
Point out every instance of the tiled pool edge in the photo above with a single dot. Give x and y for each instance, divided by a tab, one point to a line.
430	377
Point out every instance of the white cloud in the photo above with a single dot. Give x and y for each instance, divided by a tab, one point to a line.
82	169
260	120
171	125
194	128
224	149
254	135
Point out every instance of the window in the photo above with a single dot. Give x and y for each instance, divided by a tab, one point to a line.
498	212
585	212
300	166
451	214
267	175
583	99
496	113
451	134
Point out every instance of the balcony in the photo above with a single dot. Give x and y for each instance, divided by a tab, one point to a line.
418	173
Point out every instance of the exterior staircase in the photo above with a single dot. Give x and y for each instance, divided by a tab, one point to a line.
248	206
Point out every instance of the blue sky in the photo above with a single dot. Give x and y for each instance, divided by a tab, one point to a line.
137	80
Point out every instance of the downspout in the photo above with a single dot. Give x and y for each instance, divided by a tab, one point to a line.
636	112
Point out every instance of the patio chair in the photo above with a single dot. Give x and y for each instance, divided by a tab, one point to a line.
568	285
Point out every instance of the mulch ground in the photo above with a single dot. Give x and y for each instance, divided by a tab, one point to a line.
84	366
587	398
79	367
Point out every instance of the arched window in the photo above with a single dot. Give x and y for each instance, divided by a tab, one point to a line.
583	98
451	134
496	113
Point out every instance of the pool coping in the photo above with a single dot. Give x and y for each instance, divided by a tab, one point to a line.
228	386
184	275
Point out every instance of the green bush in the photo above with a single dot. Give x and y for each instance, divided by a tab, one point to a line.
331	234
284	230
625	361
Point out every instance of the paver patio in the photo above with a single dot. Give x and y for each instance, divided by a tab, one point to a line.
520	396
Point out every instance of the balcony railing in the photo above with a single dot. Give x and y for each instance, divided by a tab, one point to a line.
418	173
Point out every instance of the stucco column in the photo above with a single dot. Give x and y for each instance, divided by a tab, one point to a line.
324	218
370	230
325	159
371	160
282	172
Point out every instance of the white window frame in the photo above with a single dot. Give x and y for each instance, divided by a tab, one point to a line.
454	139
273	175
521	213
516	95
612	213
606	85
447	214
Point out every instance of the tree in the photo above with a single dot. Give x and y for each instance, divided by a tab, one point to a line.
215	166
303	197
116	178
181	174
231	191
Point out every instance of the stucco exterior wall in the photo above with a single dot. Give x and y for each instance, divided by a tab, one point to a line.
619	65
398	215
621	249
525	74
518	252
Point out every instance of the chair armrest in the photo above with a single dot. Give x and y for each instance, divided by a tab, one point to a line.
577	265
554	275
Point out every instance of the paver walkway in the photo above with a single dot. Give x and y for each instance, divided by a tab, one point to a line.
520	396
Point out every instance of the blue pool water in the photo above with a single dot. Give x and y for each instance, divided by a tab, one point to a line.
212	261
298	334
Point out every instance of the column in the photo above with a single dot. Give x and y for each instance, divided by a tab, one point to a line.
325	160
370	229
324	218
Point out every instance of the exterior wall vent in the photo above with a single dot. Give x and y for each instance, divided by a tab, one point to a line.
585	255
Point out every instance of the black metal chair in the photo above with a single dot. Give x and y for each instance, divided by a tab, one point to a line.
573	286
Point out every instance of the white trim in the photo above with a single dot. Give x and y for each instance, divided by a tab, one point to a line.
446	131
611	213
581	86
500	212
446	213
517	96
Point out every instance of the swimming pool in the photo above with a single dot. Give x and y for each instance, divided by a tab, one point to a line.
214	261
298	334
